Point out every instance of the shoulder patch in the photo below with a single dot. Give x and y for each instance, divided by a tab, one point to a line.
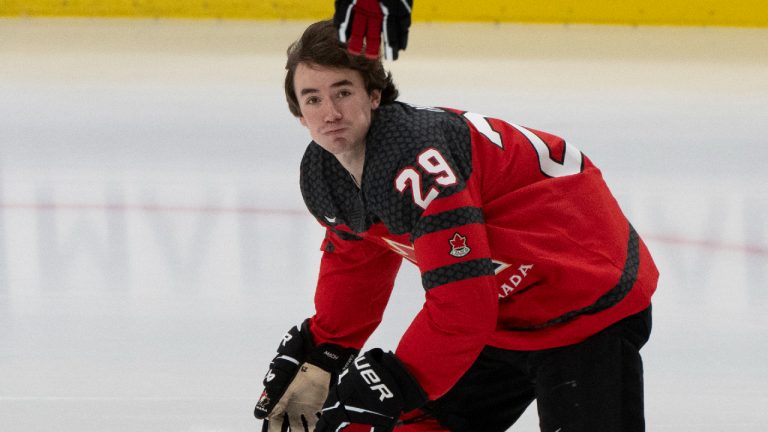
459	246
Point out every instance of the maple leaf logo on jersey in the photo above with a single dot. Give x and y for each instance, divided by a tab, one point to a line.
459	246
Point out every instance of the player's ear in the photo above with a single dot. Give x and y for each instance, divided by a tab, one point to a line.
375	99
303	121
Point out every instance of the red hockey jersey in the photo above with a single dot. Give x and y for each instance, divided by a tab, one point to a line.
519	242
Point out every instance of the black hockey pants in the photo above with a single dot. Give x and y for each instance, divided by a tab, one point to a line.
592	386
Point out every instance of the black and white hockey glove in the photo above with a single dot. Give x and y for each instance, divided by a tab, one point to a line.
369	20
298	379
373	391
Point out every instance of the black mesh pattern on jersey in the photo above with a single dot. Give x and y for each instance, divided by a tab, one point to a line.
329	191
456	272
345	235
447	220
614	295
399	134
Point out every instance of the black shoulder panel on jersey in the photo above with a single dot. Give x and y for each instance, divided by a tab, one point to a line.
399	133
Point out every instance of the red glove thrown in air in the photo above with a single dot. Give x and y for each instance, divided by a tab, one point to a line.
362	23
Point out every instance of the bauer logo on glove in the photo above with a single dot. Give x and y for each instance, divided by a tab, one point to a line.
374	391
371	378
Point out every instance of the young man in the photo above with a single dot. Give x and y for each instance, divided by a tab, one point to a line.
536	285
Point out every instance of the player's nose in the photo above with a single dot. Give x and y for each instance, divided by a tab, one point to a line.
332	111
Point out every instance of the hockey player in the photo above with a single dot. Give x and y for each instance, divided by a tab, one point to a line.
536	285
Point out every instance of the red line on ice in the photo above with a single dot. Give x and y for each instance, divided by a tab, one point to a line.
711	244
151	208
706	244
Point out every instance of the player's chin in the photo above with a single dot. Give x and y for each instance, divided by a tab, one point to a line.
335	145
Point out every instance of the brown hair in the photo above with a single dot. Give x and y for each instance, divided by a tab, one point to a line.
320	45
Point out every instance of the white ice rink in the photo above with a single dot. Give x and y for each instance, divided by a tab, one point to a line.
154	246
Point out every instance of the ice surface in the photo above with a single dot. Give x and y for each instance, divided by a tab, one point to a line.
154	246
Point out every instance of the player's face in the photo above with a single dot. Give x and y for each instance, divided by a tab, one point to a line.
335	107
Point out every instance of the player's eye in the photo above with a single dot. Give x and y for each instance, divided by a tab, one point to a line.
312	100
344	93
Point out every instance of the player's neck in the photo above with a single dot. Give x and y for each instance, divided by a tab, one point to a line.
354	162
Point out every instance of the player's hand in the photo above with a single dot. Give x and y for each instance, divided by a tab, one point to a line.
367	20
298	379
373	391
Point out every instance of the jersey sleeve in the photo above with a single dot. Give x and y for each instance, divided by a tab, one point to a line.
461	307
354	285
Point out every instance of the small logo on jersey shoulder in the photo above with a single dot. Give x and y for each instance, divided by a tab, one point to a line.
330	219
459	246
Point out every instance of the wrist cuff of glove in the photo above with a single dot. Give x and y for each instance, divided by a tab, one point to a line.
412	393
327	356
331	357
